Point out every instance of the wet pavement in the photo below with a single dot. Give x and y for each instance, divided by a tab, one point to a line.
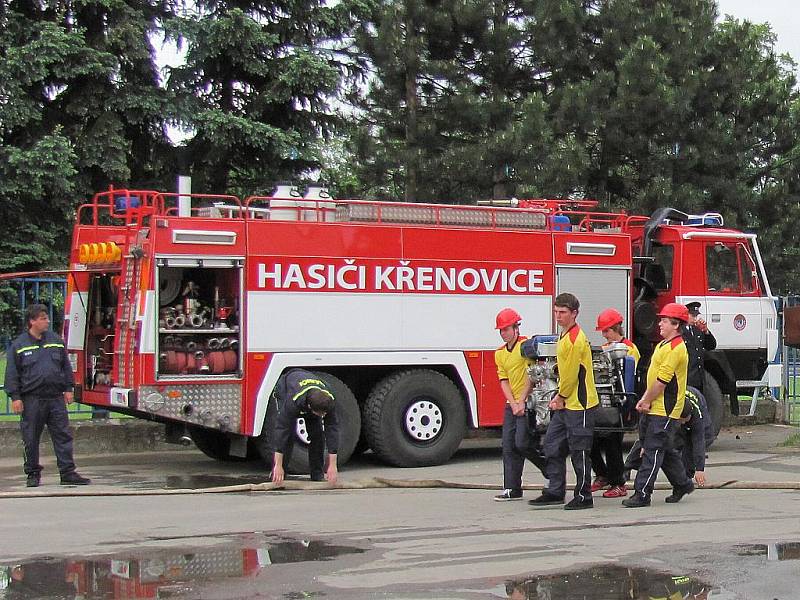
148	573
399	544
249	566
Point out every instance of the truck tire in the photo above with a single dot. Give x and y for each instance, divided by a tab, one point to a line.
348	417
213	444
415	418
714	402
362	445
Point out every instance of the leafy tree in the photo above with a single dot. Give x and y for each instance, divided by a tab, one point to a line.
38	162
81	108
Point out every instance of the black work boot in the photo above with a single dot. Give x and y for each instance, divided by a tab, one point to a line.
33	480
578	504
677	494
546	500
74	479
635	501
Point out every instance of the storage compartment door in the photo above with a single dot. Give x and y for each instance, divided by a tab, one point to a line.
597	288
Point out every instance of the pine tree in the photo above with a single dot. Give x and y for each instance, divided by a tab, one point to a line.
256	88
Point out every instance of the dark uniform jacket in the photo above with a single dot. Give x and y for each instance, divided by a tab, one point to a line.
691	436
290	394
37	368
697	343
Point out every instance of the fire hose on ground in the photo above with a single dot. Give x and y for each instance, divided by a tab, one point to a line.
356	484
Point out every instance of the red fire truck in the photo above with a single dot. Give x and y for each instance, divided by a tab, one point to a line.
185	309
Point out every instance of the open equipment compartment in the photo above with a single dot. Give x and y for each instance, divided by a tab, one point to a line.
100	344
199	317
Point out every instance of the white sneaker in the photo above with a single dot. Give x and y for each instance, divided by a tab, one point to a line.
508	495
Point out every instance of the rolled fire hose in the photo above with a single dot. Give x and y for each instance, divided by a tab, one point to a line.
217	362
230	359
180	321
201	362
196	320
358	484
225	343
172	362
181	361
213	343
169	322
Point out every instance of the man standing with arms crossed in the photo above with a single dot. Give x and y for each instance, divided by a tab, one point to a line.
519	442
571	428
661	407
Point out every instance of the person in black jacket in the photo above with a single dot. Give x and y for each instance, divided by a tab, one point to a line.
39	383
698	340
691	437
301	393
689	440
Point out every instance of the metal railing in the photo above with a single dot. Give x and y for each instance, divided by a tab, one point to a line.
51	292
791	369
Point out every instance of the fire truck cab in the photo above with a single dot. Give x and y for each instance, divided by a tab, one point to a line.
186	309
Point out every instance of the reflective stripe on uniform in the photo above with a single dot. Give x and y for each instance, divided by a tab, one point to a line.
26	348
311	387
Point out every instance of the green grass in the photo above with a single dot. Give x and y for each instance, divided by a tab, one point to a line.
793	441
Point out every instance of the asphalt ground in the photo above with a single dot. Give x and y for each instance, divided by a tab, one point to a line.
398	543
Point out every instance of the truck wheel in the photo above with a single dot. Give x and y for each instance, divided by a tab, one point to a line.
348	417
415	418
213	444
716	409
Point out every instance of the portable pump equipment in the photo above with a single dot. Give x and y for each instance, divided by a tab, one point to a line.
614	376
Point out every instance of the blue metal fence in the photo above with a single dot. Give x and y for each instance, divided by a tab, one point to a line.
50	291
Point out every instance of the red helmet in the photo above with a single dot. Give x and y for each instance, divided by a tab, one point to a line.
675	311
608	318
506	317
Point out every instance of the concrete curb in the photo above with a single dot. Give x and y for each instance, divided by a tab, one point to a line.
767	411
101	436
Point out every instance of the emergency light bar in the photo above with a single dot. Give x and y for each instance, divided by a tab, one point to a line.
709	219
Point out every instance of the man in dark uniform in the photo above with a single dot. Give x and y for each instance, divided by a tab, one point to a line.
301	393
39	383
690	438
698	340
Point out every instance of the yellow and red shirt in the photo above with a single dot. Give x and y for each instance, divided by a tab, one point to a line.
513	366
632	350
575	372
669	365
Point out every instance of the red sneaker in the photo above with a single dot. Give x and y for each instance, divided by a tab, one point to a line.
618	491
599	484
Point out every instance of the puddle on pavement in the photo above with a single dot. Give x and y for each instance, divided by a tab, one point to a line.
608	582
777	551
157	573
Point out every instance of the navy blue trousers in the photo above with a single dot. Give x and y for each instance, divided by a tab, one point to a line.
519	443
316	446
36	413
659	453
570	433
